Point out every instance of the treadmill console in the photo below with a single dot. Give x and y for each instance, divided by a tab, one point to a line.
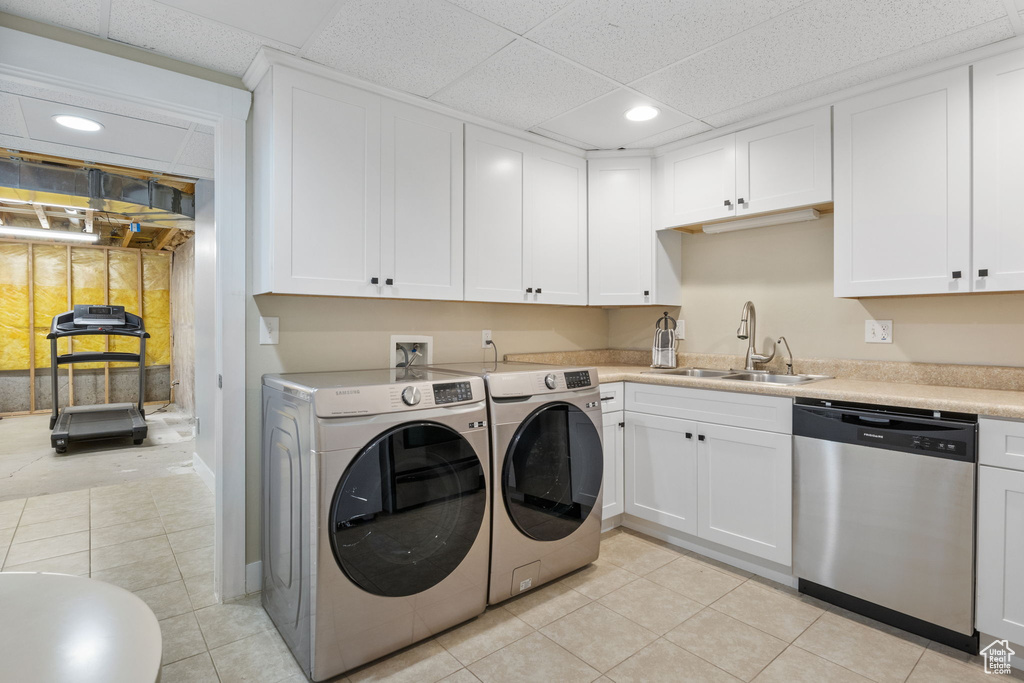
87	315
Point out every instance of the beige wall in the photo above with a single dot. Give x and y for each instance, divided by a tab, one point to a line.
787	272
320	333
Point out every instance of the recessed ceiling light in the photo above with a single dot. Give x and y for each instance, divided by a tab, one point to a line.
644	112
78	123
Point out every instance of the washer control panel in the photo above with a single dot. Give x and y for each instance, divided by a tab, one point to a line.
578	379
453	392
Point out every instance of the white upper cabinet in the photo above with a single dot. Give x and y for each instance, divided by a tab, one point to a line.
903	189
526	221
785	164
556	210
421	203
630	264
998	174
697	183
355	195
621	236
779	165
317	186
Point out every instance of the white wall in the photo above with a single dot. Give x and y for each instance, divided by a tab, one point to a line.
787	272
205	373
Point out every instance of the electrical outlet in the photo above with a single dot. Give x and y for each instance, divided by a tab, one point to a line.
270	329
485	337
680	329
878	331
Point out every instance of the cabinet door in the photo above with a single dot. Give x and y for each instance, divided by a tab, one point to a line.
902	189
1000	610
785	164
613	464
661	470
494	217
620	232
421	203
745	490
998	173
326	217
697	183
555	206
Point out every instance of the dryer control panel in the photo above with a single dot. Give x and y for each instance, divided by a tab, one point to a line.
453	392
518	384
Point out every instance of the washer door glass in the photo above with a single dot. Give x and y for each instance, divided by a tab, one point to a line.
408	509
552	472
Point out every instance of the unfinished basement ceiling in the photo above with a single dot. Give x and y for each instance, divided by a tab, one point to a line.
566	68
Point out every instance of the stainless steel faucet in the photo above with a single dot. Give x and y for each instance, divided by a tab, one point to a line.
748	330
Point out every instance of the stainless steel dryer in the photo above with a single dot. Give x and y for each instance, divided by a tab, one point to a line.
375	511
547	466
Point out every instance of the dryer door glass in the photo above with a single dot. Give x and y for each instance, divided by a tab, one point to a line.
408	509
552	472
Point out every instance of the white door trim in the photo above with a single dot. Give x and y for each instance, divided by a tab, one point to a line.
68	68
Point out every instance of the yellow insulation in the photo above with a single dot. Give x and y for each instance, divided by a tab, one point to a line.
87	288
124	291
13	306
50	272
156	306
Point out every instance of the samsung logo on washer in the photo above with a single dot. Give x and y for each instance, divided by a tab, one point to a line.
342	392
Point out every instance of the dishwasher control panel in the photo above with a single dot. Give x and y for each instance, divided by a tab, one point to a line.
920	442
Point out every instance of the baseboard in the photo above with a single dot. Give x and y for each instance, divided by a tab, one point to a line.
779	575
254	577
203	470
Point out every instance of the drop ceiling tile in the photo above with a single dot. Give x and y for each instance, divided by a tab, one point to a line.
198	151
674	135
970	39
602	125
186	37
77	152
10	115
120	134
628	40
81	15
286	22
413	45
522	86
815	41
518	16
94	103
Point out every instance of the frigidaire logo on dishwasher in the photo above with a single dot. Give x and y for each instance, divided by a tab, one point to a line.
873	436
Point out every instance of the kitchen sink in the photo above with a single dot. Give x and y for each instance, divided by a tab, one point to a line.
768	378
694	372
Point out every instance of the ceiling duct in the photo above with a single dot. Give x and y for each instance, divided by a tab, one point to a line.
149	201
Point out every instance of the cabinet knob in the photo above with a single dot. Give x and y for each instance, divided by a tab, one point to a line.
647	292
741	202
389	281
529	290
728	203
983	272
374	281
700	437
956	274
689	435
538	290
621	425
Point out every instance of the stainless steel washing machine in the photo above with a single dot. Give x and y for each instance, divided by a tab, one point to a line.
547	466
375	511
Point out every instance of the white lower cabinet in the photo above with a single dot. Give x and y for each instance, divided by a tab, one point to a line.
1000	570
745	490
613	427
727	484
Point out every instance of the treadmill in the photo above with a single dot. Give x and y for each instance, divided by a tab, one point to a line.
84	423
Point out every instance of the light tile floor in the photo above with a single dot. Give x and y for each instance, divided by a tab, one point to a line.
645	611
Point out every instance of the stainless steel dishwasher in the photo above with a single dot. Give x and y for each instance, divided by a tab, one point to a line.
884	514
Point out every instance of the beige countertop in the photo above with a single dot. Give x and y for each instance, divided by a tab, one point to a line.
990	402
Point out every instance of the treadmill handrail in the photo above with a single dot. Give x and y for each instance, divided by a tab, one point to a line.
133	327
